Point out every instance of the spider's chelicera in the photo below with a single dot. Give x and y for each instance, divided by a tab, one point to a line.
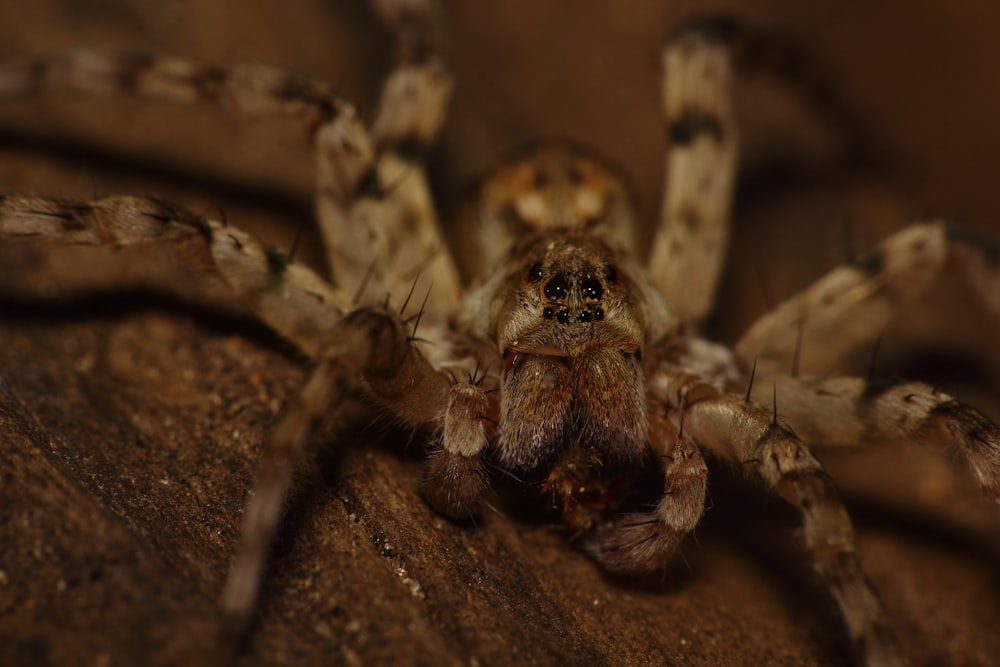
604	384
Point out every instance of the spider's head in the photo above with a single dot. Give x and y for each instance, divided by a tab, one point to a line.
567	295
571	325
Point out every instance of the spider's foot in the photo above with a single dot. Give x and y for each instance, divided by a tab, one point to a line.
636	543
453	484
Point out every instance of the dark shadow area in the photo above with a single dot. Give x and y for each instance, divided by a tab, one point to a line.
112	304
73	151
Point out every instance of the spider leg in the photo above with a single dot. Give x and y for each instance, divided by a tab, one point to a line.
368	348
252	89
690	244
374	205
293	300
852	411
370	345
852	305
749	436
455	474
646	542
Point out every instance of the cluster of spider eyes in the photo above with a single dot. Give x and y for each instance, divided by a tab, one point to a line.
557	289
563	317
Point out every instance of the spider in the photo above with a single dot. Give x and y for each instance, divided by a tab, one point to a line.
562	290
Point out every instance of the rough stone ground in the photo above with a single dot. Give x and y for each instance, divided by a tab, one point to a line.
130	422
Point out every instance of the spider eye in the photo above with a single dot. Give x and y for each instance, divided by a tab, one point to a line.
557	288
592	289
535	272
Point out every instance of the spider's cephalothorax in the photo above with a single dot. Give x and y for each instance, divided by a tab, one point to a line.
571	334
591	341
566	305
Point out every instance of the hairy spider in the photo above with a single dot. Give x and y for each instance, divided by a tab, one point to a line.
606	396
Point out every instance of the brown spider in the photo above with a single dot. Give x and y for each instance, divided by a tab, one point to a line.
558	316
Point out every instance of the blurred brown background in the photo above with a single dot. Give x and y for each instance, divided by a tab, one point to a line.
129	424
